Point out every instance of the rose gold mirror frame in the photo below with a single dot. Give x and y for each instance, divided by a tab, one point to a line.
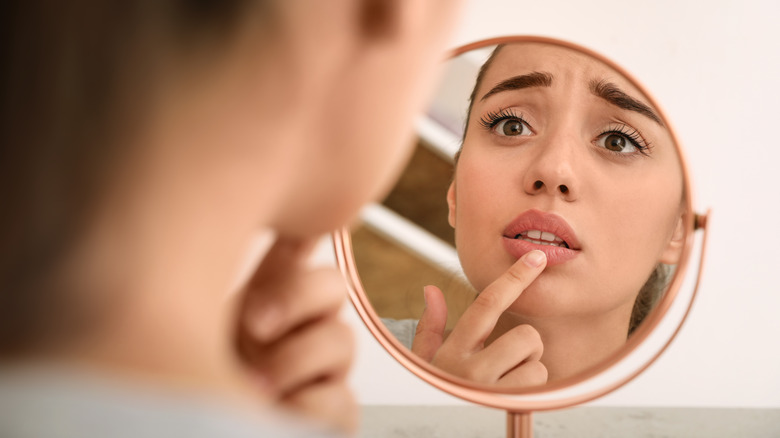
519	421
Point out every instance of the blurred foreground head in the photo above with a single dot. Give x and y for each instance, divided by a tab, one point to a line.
143	141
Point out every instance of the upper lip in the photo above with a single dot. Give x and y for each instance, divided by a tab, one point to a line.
546	222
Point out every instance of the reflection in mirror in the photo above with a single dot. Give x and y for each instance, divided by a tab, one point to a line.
529	149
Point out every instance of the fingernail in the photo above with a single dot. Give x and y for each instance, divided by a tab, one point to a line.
265	323
534	258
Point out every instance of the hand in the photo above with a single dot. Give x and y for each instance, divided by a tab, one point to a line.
292	339
512	360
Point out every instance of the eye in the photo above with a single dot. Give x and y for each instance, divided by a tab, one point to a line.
512	128
617	143
506	124
623	140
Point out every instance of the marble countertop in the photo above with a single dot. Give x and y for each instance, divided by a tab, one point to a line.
603	422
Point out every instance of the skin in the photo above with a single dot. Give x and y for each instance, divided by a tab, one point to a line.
233	145
625	210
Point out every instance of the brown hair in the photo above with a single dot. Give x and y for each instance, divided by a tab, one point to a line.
480	76
75	77
649	295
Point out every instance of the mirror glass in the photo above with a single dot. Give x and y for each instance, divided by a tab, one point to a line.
529	145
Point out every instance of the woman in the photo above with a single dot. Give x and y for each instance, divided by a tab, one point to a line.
144	145
566	199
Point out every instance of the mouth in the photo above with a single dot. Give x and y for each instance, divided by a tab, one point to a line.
548	232
540	237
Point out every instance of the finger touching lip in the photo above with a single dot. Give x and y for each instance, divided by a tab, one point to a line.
547	232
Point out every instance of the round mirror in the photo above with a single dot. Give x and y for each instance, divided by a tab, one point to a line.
532	147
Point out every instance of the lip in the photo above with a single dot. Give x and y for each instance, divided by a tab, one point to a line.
547	222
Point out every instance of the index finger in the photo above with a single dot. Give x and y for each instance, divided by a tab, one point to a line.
280	265
275	276
479	320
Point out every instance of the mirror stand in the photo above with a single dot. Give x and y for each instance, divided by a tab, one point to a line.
658	328
519	424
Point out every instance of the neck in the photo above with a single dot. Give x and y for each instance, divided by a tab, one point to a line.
573	344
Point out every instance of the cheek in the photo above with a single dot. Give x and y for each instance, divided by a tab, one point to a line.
485	202
636	230
353	159
368	125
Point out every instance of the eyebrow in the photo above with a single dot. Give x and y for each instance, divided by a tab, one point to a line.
534	79
614	95
603	89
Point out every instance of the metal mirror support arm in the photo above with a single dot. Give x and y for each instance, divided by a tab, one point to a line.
519	425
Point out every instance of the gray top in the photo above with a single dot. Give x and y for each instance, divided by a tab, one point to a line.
36	404
402	329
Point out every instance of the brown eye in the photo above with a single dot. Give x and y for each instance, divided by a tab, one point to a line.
512	128
615	142
619	143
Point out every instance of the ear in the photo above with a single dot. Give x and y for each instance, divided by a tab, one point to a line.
451	204
671	254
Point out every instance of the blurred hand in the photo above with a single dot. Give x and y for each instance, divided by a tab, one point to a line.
296	346
512	360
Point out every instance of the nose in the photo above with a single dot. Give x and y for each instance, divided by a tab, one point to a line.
552	172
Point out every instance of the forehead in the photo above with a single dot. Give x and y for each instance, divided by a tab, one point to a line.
567	66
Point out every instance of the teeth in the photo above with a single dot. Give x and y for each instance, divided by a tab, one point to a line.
541	242
542	238
540	235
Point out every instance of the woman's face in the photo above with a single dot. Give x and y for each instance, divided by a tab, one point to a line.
565	155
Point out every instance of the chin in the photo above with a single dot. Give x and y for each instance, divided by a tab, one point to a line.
316	219
544	299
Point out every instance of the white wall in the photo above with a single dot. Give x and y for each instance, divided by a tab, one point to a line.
715	69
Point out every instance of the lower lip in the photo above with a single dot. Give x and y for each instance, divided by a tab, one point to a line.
556	255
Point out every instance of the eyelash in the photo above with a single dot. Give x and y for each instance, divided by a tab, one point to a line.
491	119
630	133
